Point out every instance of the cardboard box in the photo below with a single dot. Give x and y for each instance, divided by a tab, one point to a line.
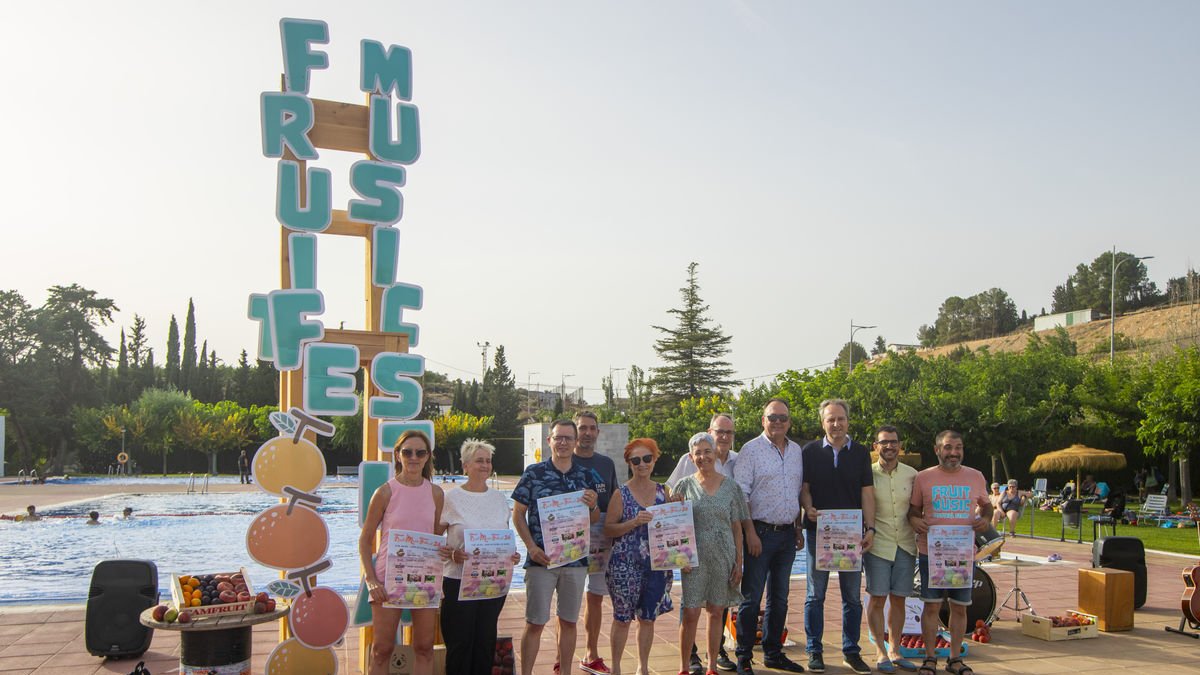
1041	627
211	611
403	659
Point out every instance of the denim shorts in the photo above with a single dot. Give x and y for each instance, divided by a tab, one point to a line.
890	577
958	596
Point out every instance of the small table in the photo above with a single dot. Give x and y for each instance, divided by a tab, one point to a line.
1016	595
214	643
1098	523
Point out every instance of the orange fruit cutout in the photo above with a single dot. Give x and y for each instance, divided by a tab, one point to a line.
281	462
290	657
286	541
319	620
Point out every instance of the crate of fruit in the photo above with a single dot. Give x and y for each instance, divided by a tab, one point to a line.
1073	626
731	627
913	646
221	594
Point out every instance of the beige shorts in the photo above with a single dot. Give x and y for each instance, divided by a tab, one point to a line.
542	583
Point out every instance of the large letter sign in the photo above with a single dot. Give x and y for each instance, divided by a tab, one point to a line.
292	536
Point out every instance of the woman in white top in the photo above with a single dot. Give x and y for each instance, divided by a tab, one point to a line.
469	627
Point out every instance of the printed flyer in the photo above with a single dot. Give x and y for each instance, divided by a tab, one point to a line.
598	551
414	570
565	528
487	571
839	540
672	537
951	556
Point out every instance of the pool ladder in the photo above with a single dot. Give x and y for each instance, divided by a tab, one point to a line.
192	485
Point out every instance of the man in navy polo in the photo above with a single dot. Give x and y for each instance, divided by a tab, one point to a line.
837	475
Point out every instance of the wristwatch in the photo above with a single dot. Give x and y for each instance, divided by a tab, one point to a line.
871	529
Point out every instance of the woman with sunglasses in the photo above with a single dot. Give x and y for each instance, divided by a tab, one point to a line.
636	590
719	511
470	626
408	501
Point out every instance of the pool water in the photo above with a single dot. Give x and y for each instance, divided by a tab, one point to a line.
51	561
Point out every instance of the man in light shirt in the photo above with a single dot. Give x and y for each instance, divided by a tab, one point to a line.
721	428
892	561
770	471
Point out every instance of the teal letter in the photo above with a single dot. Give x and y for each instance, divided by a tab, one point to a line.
329	379
316	216
298	59
389	372
407	149
258	312
302	260
396	299
384	73
389	433
385	255
378	184
290	329
286	121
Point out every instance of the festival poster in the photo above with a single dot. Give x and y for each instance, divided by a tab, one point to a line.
487	571
566	528
839	540
598	551
414	570
672	537
951	556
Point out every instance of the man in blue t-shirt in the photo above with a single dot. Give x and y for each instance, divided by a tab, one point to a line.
560	474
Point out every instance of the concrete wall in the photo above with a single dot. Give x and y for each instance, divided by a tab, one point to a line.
612	441
1064	319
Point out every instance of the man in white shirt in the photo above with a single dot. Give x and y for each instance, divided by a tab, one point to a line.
770	472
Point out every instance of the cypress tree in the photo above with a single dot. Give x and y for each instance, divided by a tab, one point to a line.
187	366
172	365
120	393
499	397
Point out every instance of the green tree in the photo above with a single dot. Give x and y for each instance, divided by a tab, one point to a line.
138	353
983	315
240	384
1171	425
693	351
638	388
187	364
499	399
173	358
1091	286
849	350
880	346
155	415
121	383
459	402
24	393
451	429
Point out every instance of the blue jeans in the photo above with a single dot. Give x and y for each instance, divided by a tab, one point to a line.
773	566
814	603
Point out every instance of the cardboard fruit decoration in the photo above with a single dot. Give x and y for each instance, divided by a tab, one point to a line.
284	461
288	536
319	618
290	657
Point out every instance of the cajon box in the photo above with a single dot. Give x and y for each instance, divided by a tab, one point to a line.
1107	593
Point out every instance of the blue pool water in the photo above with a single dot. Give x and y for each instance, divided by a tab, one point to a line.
51	561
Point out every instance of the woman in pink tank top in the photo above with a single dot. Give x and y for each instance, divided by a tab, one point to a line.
409	501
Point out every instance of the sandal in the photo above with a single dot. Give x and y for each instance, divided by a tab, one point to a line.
929	666
961	669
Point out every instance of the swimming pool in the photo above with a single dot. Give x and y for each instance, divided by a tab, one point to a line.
51	561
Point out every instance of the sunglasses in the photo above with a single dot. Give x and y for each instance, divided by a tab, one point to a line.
638	460
777	418
414	454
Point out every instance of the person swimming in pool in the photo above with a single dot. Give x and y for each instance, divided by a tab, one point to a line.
93	518
126	514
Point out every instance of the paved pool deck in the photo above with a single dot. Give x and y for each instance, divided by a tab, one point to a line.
49	639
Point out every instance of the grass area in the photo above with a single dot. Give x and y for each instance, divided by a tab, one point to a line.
1175	540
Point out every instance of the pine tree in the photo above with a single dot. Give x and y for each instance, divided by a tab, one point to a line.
138	343
693	350
187	366
499	398
880	346
172	365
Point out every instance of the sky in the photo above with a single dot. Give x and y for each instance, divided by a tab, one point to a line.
823	163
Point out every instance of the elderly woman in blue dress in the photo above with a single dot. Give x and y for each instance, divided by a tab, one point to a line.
719	513
636	590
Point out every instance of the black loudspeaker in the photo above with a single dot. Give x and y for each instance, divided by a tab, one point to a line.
120	591
1123	553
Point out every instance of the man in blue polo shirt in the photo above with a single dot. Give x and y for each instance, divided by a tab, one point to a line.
559	474
837	475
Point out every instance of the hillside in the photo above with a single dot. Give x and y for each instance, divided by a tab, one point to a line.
1151	330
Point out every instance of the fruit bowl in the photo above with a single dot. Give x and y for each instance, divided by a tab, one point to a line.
218	594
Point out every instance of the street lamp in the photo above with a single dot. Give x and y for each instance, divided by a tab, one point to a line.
613	383
850	347
529	390
119	465
562	389
1112	300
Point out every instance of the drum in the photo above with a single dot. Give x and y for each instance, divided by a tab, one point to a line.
983	599
987	544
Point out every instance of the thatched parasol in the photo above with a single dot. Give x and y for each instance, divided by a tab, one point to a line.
1077	458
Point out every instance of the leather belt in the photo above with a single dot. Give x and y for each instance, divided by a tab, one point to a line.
773	527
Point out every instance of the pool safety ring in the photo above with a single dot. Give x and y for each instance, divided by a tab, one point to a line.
122	457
